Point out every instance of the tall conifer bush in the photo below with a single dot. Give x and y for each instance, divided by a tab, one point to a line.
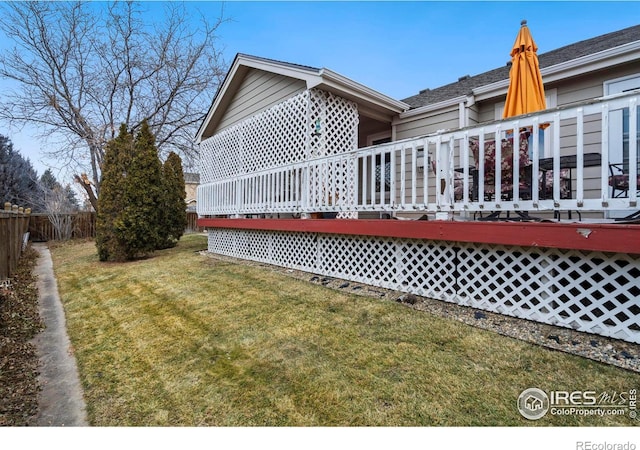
115	166
139	227
18	179
174	209
142	202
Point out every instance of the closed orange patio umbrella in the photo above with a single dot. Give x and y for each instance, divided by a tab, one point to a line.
526	92
525	95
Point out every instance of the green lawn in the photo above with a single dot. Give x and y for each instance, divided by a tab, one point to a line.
184	339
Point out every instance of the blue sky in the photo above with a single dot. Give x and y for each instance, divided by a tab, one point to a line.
397	48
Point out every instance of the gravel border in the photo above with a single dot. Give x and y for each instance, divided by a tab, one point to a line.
610	351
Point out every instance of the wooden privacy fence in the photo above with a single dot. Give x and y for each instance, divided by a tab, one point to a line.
14	223
192	222
83	225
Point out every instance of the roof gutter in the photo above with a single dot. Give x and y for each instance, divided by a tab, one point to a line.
342	83
312	77
432	107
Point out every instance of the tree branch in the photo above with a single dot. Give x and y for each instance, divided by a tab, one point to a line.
83	69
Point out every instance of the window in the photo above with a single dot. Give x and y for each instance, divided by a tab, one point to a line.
619	121
379	166
625	139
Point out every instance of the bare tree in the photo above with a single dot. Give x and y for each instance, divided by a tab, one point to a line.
60	211
82	69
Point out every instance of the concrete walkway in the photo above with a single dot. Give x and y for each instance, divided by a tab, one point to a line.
61	402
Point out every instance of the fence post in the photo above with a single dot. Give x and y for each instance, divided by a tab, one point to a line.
5	241
14	222
13	240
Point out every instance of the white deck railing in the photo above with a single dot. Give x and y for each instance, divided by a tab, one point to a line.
399	176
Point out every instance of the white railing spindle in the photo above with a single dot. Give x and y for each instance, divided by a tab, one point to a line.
357	180
633	149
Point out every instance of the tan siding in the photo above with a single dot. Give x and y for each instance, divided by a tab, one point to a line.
431	124
592	144
570	91
473	114
487	110
259	90
591	85
579	90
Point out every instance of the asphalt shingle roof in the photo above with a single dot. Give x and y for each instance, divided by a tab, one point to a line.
282	63
551	58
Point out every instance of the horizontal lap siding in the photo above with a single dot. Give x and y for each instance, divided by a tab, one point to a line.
590	85
581	89
577	90
443	120
449	119
574	90
486	112
592	141
259	91
424	125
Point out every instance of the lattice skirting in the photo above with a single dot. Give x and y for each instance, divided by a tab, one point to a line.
588	291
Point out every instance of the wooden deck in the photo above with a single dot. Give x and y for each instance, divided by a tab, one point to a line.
604	237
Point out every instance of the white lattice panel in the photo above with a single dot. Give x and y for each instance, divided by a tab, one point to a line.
274	141
587	291
439	281
295	250
219	155
280	136
338	124
272	138
222	242
277	136
351	259
515	283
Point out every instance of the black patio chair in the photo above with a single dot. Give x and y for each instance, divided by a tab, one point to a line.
619	180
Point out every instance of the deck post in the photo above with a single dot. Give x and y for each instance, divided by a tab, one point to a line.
444	196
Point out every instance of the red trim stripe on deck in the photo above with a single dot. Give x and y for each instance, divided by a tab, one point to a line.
616	238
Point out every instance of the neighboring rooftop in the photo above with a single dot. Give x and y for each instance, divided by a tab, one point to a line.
465	84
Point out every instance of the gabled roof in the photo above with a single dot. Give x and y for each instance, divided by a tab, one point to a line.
466	85
370	102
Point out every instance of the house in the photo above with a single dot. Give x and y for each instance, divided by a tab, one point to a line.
191	182
282	142
581	71
533	403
